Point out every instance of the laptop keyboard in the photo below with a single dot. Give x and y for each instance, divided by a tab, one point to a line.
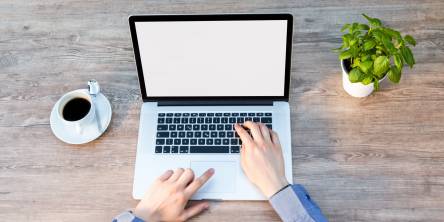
182	133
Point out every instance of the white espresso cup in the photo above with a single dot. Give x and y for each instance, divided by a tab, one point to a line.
87	119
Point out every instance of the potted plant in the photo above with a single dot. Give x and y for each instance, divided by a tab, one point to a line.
370	53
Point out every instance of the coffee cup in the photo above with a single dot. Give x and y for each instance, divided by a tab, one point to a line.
76	110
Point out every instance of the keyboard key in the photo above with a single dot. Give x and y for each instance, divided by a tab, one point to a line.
190	134
209	141
202	114
185	114
212	127
206	134
188	127
174	149
181	134
230	134
233	141
166	149
267	114
161	120
163	134
169	114
185	141
183	149
184	120
216	120
161	114
160	141
169	141
158	149
248	119
228	127
193	141
225	141
197	134
226	114
204	127
196	127
251	114
176	120
194	114
259	114
168	120
173	134
222	134
266	119
209	149
193	120
201	141
240	120
162	127
208	120
220	127
200	120
232	120
213	134
180	127
210	114
172	127
234	114
243	114
224	120
256	119
177	114
176	141
217	142
234	149
218	114
269	126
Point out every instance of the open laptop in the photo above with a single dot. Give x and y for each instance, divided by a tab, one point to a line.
200	74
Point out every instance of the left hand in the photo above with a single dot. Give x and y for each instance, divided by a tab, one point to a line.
169	194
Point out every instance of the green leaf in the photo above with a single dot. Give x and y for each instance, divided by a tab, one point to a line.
381	65
398	61
373	21
365	66
388	44
369	45
376	81
394	74
354	75
367	80
392	33
407	55
345	27
363	27
345	55
409	39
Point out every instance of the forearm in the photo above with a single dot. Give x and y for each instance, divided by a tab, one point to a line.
293	204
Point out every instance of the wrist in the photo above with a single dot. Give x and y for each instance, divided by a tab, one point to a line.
145	214
275	187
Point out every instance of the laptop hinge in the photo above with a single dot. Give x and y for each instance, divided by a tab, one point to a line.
217	103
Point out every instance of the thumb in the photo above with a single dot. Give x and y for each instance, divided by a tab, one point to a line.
194	210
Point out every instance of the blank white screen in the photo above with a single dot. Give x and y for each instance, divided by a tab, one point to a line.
213	58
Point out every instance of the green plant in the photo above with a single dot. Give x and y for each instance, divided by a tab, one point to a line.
374	51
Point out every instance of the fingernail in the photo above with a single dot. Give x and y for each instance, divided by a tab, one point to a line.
211	170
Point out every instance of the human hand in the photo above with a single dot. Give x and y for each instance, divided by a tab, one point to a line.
261	157
167	197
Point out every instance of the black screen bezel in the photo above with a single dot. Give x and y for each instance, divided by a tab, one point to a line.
213	17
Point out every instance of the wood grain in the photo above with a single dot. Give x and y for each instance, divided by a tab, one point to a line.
379	158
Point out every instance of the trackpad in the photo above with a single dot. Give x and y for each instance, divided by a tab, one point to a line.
223	180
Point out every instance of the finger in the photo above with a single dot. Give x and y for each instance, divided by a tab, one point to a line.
265	132
275	138
255	131
198	182
176	174
194	210
165	175
243	134
186	177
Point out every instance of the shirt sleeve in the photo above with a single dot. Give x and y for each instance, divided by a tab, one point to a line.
127	216
293	204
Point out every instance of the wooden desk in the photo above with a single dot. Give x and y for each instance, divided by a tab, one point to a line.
379	158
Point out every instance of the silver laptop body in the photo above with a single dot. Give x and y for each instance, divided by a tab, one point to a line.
199	74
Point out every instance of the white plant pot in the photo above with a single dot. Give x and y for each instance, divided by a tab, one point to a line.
356	89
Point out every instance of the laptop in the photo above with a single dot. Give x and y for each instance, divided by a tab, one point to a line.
200	74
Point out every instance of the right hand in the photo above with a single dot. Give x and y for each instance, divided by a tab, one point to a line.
261	157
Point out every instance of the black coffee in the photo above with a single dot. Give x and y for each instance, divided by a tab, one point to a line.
76	109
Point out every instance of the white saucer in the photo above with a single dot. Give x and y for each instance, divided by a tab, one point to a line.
90	132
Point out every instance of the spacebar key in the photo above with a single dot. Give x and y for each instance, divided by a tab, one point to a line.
209	149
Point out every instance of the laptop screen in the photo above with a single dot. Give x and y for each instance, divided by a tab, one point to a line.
242	58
